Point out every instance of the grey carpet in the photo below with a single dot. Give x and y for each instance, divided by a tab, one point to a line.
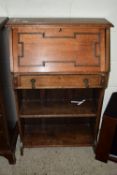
57	161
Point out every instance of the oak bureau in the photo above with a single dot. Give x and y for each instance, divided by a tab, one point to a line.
60	70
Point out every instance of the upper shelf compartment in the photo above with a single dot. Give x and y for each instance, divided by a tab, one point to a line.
61	47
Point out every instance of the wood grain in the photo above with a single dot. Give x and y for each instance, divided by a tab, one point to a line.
59	81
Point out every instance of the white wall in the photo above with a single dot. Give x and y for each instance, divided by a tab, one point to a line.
70	8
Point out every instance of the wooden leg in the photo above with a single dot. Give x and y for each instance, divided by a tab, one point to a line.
21	149
10	156
12	159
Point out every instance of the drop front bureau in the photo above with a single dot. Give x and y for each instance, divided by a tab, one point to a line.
59	70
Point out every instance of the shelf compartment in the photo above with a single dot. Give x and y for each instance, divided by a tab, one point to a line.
57	109
57	103
58	132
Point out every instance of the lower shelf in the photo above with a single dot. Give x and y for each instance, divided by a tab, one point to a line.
44	132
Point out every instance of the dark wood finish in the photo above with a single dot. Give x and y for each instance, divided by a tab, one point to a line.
8	126
3	21
8	133
57	103
107	132
54	109
61	132
51	60
99	109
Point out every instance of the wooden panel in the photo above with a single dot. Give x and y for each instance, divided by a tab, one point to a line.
1	103
3	143
1	124
58	81
1	111
58	49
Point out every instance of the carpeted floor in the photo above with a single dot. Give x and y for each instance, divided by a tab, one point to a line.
57	161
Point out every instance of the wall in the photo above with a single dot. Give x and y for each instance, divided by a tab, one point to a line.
70	8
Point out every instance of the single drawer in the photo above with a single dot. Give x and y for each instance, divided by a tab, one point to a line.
58	49
58	81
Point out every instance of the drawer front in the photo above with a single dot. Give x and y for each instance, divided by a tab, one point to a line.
59	81
58	49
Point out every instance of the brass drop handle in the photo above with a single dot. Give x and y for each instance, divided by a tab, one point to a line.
86	83
33	81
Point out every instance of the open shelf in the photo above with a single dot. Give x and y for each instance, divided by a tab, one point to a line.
57	103
48	118
58	132
57	109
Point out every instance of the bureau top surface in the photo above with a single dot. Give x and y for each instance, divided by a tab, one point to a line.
98	22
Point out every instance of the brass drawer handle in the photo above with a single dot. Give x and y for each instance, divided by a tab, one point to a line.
86	83
33	81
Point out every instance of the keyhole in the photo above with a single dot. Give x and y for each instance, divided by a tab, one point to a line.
60	30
